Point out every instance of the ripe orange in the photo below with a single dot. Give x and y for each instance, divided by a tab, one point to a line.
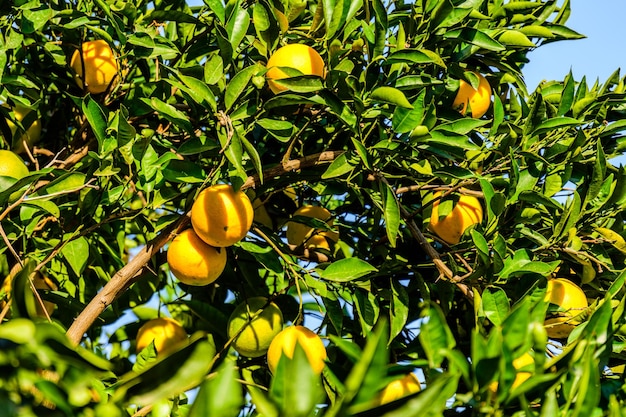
301	57
166	333
254	324
518	363
399	388
285	344
571	301
478	100
192	261
466	212
301	234
100	66
32	134
221	216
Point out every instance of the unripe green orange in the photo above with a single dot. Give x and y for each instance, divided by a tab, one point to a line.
253	325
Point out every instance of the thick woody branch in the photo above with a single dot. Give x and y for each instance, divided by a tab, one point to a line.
126	276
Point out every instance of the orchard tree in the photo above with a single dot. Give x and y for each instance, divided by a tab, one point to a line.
297	208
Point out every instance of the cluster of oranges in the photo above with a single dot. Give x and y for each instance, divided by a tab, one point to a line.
220	217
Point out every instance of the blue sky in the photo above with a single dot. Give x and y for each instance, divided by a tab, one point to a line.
596	56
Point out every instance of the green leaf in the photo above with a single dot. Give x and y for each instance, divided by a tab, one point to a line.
495	304
295	387
414	56
405	120
76	253
238	84
475	37
97	119
555	123
338	167
435	336
169	376
391	214
220	394
346	270
170	112
399	311
392	96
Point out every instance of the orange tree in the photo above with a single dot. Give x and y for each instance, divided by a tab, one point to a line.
375	138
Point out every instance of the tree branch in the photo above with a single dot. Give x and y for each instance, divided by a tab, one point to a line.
126	276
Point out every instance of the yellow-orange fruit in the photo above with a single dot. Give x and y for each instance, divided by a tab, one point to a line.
399	388
300	57
301	234
194	262
221	216
466	212
478	100
518	363
100	66
166	333
285	344
571	300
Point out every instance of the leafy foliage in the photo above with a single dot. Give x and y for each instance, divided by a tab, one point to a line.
116	173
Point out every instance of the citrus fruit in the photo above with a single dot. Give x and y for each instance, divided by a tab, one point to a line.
521	362
192	261
301	234
285	344
33	131
221	216
271	210
254	324
571	301
100	66
40	282
11	165
297	56
477	100
399	388
466	212
166	333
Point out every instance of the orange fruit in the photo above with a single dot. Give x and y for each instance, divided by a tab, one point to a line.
166	333
301	234
399	388
297	56
571	301
285	344
466	212
192	261
221	216
477	100
100	66
253	325
41	282
518	363
32	134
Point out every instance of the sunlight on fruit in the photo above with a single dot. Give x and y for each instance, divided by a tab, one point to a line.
166	333
221	216
192	261
285	344
476	100
100	66
409	384
300	57
570	300
466	212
